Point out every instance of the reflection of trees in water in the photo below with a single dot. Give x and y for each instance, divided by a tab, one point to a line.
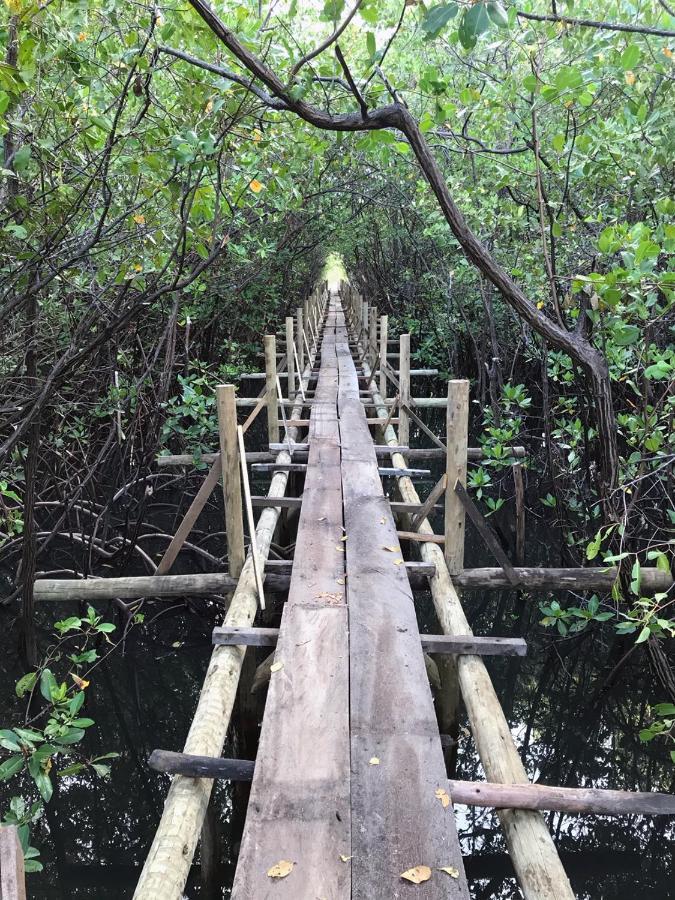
576	720
575	725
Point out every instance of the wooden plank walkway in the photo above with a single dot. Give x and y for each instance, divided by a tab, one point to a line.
350	783
299	805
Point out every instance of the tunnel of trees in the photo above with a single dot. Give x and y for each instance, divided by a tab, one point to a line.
174	178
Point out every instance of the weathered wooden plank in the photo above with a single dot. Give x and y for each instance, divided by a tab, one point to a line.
299	805
250	637
431	643
193	766
397	759
476	646
580	801
12	877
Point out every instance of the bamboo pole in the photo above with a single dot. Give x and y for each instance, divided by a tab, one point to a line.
229	462
457	428
290	358
299	331
384	334
271	388
257	569
404	390
372	338
170	857
533	853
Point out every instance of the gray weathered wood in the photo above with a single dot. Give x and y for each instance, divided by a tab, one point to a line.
229	460
396	753
580	801
249	637
193	766
457	427
477	646
300	796
12	877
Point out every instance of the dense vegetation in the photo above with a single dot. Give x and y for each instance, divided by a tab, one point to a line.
496	177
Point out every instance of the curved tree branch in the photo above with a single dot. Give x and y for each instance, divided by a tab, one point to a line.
592	23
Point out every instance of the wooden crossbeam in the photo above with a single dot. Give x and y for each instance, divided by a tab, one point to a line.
570	800
431	643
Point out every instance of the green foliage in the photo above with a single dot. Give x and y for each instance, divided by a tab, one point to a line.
52	735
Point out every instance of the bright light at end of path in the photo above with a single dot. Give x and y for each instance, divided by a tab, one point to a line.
334	271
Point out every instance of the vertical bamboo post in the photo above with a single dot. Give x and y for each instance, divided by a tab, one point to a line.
271	388
404	389
229	461
290	359
384	335
364	324
457	436
373	334
299	328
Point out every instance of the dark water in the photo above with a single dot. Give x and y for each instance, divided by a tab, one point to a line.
572	725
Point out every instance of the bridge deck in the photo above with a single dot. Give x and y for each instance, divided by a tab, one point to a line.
350	757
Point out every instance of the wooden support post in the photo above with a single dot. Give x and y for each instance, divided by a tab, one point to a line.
299	328
384	333
229	459
457	425
372	340
290	358
12	877
520	513
404	390
271	388
364	325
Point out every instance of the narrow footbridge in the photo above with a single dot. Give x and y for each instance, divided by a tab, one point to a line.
350	796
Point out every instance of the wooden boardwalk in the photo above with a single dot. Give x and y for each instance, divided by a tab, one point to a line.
350	796
350	783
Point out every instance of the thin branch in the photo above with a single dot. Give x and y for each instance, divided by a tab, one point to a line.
247	83
350	81
592	23
323	46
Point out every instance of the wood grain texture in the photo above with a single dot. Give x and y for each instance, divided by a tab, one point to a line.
12	877
397	820
299	804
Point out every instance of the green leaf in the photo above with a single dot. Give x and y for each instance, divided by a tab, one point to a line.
630	57
558	143
644	634
625	335
437	18
474	22
371	46
498	15
72	736
9	740
48	685
10	767
568	79
106	627
44	785
26	683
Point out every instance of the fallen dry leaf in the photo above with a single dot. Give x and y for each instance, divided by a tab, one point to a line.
344	537
450	870
339	548
391	549
281	869
398	562
345	858
417	874
443	796
275	667
374	761
382	520
339	581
